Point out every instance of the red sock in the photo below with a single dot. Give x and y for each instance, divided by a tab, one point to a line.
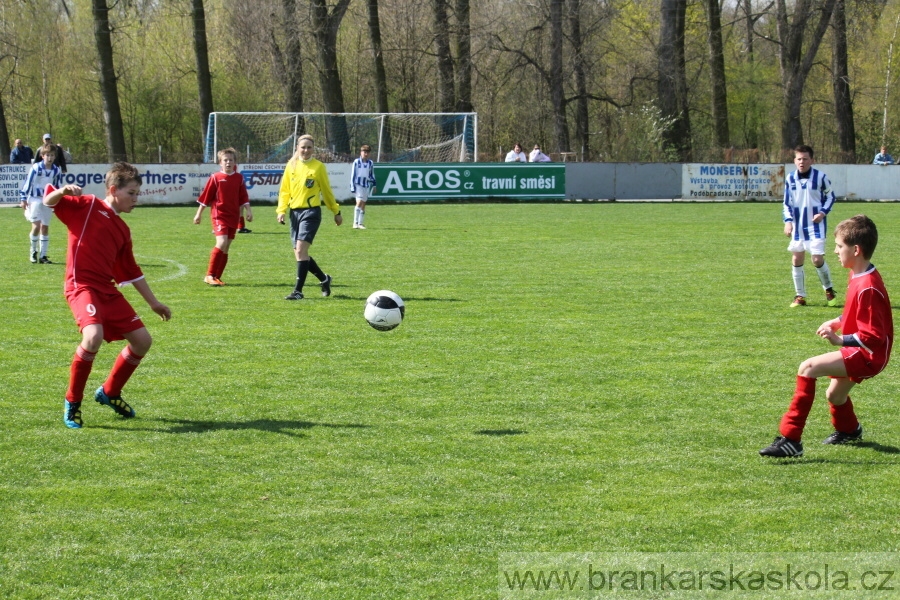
82	363
126	363
794	420
843	418
241	225
220	264
213	261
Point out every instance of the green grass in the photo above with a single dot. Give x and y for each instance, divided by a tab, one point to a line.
569	378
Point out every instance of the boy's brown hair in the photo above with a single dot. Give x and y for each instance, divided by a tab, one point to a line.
48	149
222	153
858	231
803	148
365	148
121	174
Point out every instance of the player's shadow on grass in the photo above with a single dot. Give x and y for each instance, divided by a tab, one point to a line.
290	428
501	432
405	299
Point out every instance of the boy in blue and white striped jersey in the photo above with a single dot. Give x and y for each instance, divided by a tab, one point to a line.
808	198
39	175
362	183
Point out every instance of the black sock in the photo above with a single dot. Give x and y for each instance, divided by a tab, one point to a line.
315	270
302	269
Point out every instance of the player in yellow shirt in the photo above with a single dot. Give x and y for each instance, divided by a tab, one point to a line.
303	188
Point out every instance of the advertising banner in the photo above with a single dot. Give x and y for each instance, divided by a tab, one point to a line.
732	182
418	182
172	184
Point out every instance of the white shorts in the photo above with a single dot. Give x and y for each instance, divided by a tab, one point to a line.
815	247
362	194
38	212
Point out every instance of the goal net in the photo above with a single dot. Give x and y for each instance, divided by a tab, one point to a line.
394	137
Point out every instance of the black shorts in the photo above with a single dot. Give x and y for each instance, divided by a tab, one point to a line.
305	223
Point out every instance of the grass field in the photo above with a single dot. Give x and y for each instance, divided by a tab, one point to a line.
569	378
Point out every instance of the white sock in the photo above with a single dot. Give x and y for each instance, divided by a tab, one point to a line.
45	241
35	243
362	215
356	212
824	276
799	281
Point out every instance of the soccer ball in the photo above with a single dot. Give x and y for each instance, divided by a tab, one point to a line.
384	310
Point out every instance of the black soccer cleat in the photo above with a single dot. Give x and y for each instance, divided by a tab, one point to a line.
295	295
45	261
839	437
783	447
326	286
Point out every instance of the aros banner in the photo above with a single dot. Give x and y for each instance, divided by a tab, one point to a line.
418	182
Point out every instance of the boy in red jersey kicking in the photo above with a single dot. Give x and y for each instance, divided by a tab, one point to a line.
99	256
226	195
867	329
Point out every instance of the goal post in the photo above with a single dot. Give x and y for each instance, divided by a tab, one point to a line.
271	137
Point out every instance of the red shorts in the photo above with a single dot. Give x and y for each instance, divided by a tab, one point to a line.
112	311
221	228
858	366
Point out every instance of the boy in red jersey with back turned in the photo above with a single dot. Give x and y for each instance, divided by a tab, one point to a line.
226	195
867	335
100	256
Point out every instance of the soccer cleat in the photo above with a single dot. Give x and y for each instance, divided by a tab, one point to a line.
360	226
115	402
34	256
210	280
839	437
244	230
72	414
798	301
783	447
830	297
326	286
295	295
355	226
45	261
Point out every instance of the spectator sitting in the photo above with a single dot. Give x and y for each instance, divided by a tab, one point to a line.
538	156
883	158
60	153
21	154
517	154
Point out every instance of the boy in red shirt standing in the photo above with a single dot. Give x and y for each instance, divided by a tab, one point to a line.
226	196
867	329
99	256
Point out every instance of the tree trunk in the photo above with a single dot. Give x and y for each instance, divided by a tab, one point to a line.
444	57
5	147
843	103
795	66
463	57
672	83
381	87
557	92
109	91
293	65
582	136
325	30
717	73
201	52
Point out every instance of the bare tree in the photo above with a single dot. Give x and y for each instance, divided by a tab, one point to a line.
444	57
325	31
109	91
381	88
840	78
557	91
717	73
672	83
795	64
463	57
292	63
201	52
582	129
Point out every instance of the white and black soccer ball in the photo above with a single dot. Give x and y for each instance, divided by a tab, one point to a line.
384	310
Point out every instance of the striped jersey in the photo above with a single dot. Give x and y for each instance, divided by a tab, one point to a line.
804	198
362	174
37	179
